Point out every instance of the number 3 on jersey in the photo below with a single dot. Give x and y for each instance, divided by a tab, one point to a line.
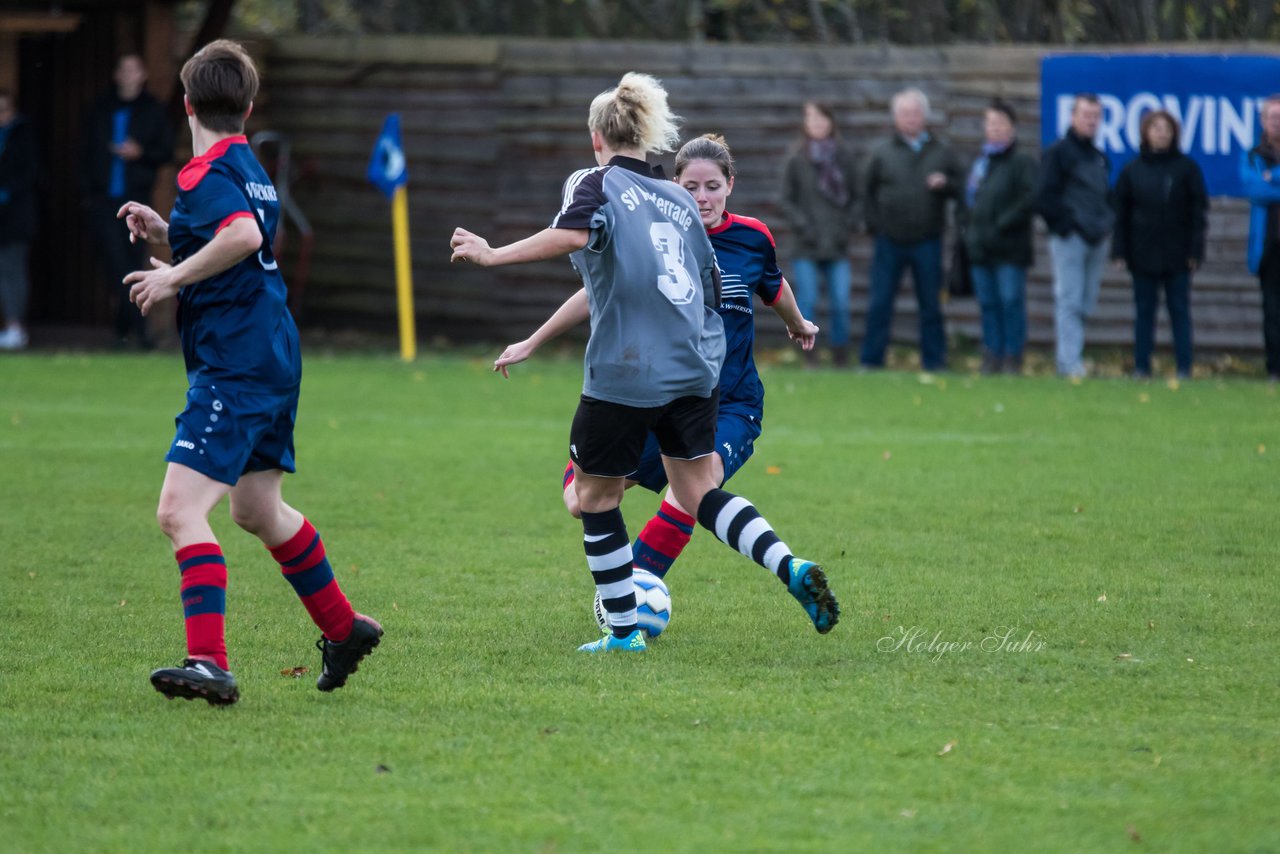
266	265
676	285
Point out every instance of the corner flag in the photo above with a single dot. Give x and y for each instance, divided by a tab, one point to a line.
389	173
387	167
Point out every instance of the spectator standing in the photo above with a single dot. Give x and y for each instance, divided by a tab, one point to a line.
128	138
1262	186
19	171
1073	198
1161	207
818	195
999	204
909	179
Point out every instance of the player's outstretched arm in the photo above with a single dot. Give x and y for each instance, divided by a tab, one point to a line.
799	330
143	223
546	244
574	311
236	242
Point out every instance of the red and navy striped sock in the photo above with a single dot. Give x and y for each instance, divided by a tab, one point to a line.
662	539
204	601
303	562
568	476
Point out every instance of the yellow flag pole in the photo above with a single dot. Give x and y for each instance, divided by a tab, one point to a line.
404	273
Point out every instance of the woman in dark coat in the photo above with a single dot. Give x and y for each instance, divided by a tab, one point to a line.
999	205
1161	219
818	194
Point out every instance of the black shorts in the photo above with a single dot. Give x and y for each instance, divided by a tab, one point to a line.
607	439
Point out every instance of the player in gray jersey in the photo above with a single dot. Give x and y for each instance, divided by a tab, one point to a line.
659	343
654	355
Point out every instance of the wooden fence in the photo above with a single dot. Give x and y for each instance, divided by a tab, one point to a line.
492	127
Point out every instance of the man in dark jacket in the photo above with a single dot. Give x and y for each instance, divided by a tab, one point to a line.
19	171
910	177
1260	175
128	137
1073	199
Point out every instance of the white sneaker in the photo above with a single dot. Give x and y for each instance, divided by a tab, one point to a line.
14	338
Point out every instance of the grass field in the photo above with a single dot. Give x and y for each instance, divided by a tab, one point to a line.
1060	625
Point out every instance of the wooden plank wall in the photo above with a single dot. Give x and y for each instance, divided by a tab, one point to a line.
492	128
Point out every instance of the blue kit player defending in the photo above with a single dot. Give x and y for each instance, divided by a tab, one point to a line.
748	263
243	366
654	356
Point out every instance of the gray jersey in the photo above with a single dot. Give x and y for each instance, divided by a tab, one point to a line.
651	281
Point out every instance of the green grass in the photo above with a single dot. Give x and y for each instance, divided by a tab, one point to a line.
1133	531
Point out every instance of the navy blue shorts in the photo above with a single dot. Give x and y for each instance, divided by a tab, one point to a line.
224	433
736	435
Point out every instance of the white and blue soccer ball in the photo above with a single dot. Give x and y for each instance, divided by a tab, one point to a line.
653	605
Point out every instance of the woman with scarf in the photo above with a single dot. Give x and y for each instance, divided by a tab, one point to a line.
817	198
999	204
1161	219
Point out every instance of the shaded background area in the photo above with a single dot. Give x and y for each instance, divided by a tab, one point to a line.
493	95
493	126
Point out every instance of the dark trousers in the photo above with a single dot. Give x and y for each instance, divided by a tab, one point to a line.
119	259
1269	278
1146	299
891	259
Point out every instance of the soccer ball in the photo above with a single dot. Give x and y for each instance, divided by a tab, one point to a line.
653	604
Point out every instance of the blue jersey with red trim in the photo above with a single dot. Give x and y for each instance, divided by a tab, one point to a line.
748	261
235	327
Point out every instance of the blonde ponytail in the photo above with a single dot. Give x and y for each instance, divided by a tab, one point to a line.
635	115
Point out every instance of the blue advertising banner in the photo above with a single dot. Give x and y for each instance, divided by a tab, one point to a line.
1214	98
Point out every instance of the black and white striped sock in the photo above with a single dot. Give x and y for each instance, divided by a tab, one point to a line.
604	536
735	522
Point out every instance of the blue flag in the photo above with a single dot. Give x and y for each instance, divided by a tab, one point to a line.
387	168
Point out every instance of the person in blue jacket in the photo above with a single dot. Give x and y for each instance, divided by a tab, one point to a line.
1261	183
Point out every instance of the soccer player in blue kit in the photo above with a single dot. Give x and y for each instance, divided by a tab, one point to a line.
748	263
654	356
240	345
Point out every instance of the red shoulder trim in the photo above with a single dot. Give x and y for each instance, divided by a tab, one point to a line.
195	170
778	295
237	215
753	223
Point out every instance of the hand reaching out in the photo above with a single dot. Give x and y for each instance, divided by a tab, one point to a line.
806	336
143	223
469	247
513	355
151	286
